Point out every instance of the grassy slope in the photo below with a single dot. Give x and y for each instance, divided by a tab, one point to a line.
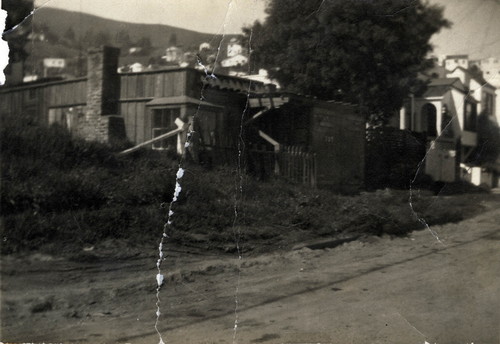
59	195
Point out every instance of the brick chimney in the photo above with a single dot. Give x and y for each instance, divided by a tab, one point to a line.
103	90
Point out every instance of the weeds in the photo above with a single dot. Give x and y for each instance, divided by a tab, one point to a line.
59	194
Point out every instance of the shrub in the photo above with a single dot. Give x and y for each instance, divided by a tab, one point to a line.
60	194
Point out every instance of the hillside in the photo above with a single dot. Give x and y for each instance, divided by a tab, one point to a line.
474	31
59	22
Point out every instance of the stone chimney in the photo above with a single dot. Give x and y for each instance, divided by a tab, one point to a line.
103	90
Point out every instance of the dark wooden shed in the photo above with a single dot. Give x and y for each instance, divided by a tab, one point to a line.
318	142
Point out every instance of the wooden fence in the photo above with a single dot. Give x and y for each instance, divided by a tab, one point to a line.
291	162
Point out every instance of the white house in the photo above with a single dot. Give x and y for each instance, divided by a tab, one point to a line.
205	46
174	55
447	114
491	70
234	48
234	61
451	62
480	89
134	50
136	67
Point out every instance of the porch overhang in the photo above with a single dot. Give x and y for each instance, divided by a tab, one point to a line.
268	101
264	103
180	100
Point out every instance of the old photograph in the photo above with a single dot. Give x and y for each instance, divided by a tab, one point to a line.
250	171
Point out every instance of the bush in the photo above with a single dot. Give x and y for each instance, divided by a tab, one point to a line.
52	145
59	194
70	230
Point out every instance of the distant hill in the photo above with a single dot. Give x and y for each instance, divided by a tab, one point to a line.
161	36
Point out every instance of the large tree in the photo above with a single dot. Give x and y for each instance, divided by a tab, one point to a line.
363	51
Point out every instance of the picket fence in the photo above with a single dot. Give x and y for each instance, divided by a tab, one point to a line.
293	163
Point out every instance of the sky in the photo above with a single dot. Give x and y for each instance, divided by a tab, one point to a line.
475	30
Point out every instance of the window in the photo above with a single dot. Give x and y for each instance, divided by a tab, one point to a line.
429	119
32	94
163	121
66	117
446	122
487	103
470	116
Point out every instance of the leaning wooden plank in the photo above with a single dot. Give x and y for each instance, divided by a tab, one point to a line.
158	138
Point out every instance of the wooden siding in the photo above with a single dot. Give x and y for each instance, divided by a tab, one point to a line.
338	138
167	83
137	89
140	88
36	100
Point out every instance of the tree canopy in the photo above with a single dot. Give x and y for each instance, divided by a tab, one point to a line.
363	51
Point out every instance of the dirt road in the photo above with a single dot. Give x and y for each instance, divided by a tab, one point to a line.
443	289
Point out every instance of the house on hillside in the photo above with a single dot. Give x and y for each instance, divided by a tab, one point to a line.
234	61
299	138
234	48
174	55
491	69
136	67
450	62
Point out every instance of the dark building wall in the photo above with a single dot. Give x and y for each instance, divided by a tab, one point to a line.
338	139
137	89
289	124
97	95
34	101
232	112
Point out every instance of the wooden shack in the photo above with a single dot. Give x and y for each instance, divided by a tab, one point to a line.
314	142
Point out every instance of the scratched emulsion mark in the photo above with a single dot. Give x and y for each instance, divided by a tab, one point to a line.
167	227
239	183
410	199
4	48
239	191
421	219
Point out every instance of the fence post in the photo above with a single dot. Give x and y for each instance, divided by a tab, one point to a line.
276	163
